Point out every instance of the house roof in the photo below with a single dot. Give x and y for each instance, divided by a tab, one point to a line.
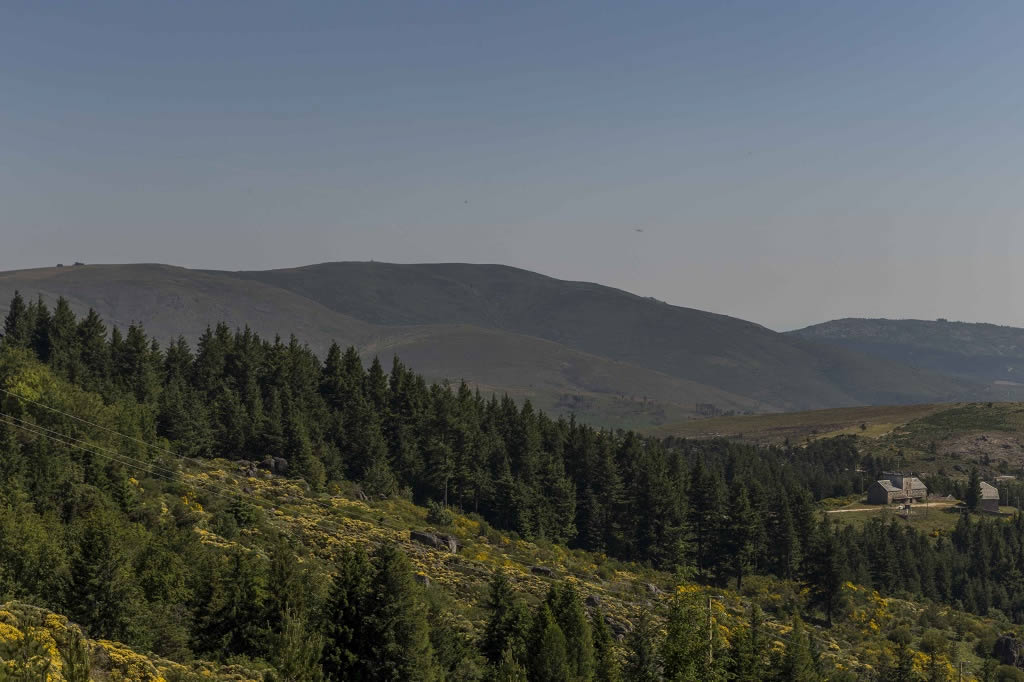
917	484
988	492
888	487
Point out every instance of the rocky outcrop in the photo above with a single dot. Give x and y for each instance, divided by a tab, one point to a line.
441	541
275	465
1010	651
619	628
543	571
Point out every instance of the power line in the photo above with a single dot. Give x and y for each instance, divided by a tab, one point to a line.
59	434
127	460
121	435
5	419
86	421
150	468
211	487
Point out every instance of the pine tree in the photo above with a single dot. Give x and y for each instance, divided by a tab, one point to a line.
972	493
749	656
934	644
63	337
707	503
684	651
234	614
375	387
642	661
103	592
182	418
379	479
508	669
230	424
798	664
40	336
606	663
827	570
507	628
744	534
297	650
17	324
900	666
94	353
396	622
457	654
786	543
299	453
346	648
548	660
567	608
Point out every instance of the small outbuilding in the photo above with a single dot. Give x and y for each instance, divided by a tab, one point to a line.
989	501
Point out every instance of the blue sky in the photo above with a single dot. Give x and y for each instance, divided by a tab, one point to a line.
787	162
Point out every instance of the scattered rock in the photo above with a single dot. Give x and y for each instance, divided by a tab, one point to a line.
428	539
543	570
593	601
450	541
423	579
275	465
653	589
246	468
618	628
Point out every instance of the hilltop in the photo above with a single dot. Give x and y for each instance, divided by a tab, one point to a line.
608	356
984	353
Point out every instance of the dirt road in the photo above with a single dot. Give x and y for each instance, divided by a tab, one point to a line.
880	507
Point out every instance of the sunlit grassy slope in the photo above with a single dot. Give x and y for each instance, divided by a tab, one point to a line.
798	426
947	439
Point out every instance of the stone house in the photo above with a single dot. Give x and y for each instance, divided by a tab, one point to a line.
897	488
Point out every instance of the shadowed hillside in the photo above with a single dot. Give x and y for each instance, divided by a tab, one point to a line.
173	301
735	355
985	353
608	356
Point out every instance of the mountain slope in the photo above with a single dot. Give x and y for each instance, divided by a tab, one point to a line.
611	357
735	355
173	301
984	353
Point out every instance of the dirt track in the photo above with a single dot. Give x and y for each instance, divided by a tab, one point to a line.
880	507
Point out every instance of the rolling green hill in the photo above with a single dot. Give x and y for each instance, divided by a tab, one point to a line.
608	356
985	353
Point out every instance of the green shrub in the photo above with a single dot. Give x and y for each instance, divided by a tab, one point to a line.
438	514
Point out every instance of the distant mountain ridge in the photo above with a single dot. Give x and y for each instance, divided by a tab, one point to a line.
979	352
610	356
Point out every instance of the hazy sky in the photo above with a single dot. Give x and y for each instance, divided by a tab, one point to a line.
786	162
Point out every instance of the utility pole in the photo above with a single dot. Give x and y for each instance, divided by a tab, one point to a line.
711	635
711	629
